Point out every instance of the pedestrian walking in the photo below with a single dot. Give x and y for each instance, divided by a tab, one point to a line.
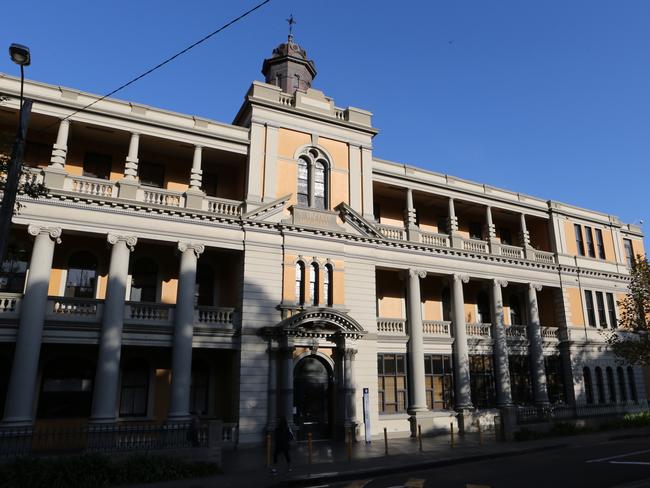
283	438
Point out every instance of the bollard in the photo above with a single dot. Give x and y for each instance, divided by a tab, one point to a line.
350	444
496	429
268	450
385	442
309	454
420	436
451	431
480	435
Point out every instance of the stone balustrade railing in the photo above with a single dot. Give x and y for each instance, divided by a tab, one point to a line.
90	186
10	305
391	232
479	330
214	316
512	251
436	327
153	196
475	245
516	331
543	256
31	176
73	308
222	206
550	332
391	326
434	239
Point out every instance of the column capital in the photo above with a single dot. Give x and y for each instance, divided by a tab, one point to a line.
463	278
53	232
130	241
500	282
412	273
198	146
535	286
191	246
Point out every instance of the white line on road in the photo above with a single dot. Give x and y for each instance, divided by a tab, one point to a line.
616	457
629	462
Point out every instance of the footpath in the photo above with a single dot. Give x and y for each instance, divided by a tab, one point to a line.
331	462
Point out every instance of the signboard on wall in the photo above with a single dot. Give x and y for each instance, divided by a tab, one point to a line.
366	414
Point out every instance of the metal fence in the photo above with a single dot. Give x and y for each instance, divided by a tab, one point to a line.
530	414
16	442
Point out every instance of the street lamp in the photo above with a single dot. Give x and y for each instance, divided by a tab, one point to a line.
19	54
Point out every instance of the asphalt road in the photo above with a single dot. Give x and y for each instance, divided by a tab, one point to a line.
614	463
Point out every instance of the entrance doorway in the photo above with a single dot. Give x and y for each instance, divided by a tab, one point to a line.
312	391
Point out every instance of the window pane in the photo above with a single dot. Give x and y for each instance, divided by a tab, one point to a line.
97	165
303	183
389	364
151	174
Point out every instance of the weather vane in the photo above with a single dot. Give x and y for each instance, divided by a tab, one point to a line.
291	23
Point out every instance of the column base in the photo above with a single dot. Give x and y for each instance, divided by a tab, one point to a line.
54	177
17	422
194	199
508	422
466	419
128	189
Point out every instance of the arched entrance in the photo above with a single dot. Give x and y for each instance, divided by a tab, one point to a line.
312	391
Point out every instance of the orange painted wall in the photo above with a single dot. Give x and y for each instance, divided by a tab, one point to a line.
338	150
338	292
390	294
575	306
538	230
289	141
289	279
637	247
431	293
571	245
608	241
546	304
77	150
391	211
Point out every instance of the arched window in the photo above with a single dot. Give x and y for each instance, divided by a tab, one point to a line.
630	379
82	275
14	268
483	306
135	389
589	389
622	387
300	281
611	384
144	281
328	279
205	285
516	317
303	182
313	284
313	179
600	385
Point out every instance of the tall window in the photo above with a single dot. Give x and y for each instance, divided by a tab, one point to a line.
554	379
14	269
611	306
313	179
611	385
97	165
579	243
505	236
632	383
151	174
439	381
205	285
516	317
622	387
600	385
520	380
82	276
199	390
313	284
482	380
135	389
475	230
328	279
589	237
483	307
629	252
602	314
300	283
589	388
144	281
446	304
589	304
600	246
392	382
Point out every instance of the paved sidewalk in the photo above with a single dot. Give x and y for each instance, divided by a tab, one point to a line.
247	467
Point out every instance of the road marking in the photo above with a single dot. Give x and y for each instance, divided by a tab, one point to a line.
358	484
616	457
415	483
629	462
477	486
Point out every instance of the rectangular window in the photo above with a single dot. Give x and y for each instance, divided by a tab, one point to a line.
97	165
599	244
505	236
475	230
613	323
579	243
392	383
209	184
589	304
520	382
442	225
439	381
151	174
602	315
482	381
376	211
629	253
554	379
589	237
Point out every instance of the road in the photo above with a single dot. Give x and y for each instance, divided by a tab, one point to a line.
606	464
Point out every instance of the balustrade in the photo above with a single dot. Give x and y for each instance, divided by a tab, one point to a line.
516	331
148	312
9	304
436	327
544	256
434	239
512	251
550	332
74	308
391	232
222	206
391	326
475	245
479	330
162	197
91	186
214	316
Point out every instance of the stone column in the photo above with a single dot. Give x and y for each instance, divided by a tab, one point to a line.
452	225
366	184
418	402
24	371
536	348
196	174
461	355
129	184
500	347
54	174
350	390
524	237
107	376
410	218
490	232
272	404
285	356
179	404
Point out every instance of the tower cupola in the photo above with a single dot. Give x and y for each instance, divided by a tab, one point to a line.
289	68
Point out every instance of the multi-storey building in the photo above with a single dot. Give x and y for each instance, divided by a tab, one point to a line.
275	267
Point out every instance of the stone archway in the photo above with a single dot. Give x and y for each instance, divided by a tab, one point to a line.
313	383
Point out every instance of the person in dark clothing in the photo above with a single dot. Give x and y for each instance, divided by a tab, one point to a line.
283	438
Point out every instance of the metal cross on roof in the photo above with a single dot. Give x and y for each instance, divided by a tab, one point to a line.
291	22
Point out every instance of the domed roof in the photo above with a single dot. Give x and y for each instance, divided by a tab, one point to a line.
289	48
289	67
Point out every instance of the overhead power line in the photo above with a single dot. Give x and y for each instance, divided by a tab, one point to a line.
171	58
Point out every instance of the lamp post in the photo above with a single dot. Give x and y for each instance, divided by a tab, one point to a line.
20	55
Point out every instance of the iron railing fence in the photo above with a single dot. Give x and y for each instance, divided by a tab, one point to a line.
532	414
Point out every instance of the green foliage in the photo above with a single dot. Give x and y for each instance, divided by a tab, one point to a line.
635	317
97	471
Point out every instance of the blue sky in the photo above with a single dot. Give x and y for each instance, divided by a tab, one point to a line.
547	98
